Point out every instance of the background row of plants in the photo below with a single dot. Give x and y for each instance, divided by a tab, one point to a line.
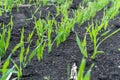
45	28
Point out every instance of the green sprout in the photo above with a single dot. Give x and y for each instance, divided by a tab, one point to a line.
93	8
42	27
4	41
6	5
82	46
94	32
96	29
24	52
18	69
81	74
108	36
111	13
6	73
78	15
63	28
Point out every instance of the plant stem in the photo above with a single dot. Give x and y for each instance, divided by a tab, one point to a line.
108	37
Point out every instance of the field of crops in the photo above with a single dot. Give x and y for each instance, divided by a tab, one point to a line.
59	39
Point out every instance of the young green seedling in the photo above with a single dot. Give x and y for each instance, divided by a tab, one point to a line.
94	32
21	56
41	27
93	8
95	29
2	44
78	15
81	75
64	27
49	33
6	72
7	5
24	52
18	69
82	46
63	30
6	65
111	13
108	36
4	41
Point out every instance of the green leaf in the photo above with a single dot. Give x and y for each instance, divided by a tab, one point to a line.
88	74
8	38
21	54
32	55
19	69
8	73
82	47
2	43
40	52
105	33
81	69
34	52
30	36
6	64
16	47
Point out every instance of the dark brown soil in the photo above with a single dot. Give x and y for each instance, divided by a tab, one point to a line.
56	63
